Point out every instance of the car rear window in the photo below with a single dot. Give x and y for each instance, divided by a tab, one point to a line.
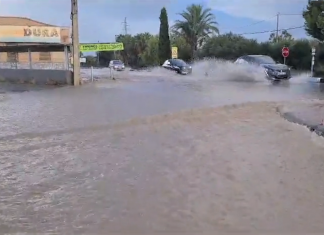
117	62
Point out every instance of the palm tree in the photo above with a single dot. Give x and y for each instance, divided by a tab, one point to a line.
197	25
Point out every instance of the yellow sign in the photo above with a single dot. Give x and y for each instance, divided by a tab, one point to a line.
174	52
118	46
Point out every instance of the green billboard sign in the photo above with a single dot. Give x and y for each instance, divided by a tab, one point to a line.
89	47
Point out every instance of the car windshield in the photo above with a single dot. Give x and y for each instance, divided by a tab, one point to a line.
117	62
179	62
264	60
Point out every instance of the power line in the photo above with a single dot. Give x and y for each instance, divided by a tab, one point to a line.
255	23
294	14
271	31
258	22
267	20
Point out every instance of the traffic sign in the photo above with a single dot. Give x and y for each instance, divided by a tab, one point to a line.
285	52
174	52
313	51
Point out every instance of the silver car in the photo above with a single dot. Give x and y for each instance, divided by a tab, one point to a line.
117	65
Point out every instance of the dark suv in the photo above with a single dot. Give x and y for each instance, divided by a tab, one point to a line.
273	70
177	65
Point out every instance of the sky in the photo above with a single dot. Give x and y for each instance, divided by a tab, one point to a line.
101	20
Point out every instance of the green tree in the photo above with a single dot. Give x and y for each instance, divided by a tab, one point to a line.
314	20
284	36
164	38
104	58
184	51
128	54
150	56
229	46
140	44
197	25
91	60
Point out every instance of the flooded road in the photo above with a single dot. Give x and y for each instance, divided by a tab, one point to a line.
159	154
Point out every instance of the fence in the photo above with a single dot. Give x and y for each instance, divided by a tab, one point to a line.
95	73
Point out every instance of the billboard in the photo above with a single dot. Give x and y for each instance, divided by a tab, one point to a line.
88	47
31	34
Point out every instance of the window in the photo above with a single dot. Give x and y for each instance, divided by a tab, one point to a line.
45	56
265	60
12	57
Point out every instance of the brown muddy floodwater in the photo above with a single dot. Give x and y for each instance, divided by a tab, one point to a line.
215	156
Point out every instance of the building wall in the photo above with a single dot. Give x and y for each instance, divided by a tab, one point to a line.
24	31
23	57
37	76
29	30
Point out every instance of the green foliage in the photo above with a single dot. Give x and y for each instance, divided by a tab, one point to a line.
314	21
284	36
164	39
229	46
128	54
150	55
103	58
196	36
196	26
141	50
184	50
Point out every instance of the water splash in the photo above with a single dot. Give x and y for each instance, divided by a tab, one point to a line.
216	70
213	70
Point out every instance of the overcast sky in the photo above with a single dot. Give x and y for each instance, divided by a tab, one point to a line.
101	20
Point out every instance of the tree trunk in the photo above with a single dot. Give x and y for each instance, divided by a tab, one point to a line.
193	51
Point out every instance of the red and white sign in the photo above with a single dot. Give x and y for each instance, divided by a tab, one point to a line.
285	52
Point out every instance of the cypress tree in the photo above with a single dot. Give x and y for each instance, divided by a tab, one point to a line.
164	38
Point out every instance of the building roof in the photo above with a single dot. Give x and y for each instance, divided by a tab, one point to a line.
19	21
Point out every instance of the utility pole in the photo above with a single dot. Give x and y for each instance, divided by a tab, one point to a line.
75	42
98	57
125	26
277	31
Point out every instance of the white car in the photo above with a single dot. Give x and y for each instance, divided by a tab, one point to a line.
117	65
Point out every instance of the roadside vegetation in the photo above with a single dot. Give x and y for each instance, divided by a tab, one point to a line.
197	36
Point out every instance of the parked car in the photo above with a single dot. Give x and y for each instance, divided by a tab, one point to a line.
273	71
178	66
117	65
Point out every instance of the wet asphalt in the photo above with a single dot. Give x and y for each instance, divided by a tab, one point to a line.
158	154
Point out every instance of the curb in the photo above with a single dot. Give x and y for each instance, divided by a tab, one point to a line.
317	80
291	117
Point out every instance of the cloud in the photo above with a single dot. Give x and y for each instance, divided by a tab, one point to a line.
99	20
263	10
